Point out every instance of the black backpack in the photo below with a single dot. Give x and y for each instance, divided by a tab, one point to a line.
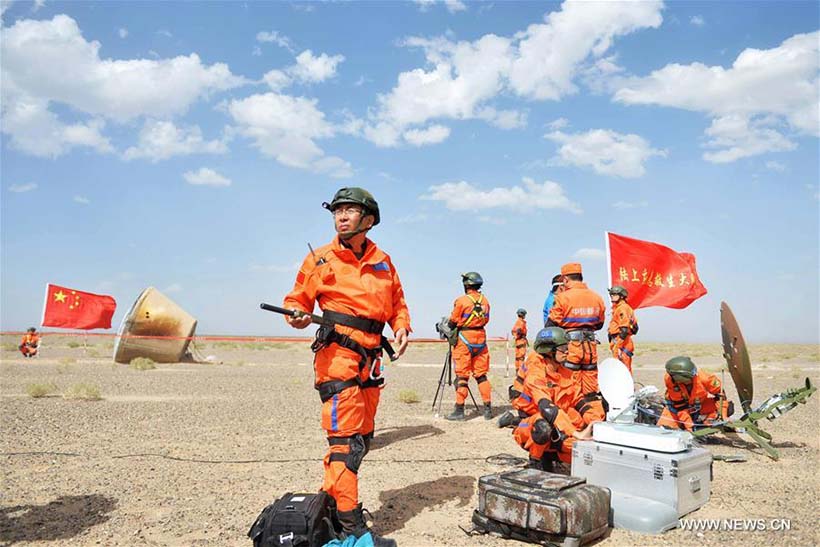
296	520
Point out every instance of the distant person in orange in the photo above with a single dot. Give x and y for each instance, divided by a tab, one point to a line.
554	412
471	312
693	397
579	311
519	334
30	344
622	326
356	286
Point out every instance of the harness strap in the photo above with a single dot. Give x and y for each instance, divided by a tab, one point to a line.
332	387
475	349
361	323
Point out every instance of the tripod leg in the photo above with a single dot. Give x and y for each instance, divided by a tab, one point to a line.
439	391
472	397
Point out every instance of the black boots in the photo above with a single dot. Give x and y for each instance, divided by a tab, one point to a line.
353	524
508	419
458	414
488	411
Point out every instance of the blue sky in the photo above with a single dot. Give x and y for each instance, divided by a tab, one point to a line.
188	146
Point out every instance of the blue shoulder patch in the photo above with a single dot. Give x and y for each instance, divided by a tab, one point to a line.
381	267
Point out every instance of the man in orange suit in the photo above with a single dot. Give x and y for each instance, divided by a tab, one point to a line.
471	312
519	334
356	286
622	326
30	344
579	311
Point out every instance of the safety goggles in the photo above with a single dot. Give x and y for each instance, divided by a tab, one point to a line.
562	349
681	379
347	211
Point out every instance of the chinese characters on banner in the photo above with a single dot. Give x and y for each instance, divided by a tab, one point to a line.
72	309
654	274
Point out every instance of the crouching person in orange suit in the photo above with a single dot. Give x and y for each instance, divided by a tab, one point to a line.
552	398
693	397
30	344
357	288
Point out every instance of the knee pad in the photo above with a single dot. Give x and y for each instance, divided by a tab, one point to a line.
548	410
462	381
357	451
481	379
513	393
541	431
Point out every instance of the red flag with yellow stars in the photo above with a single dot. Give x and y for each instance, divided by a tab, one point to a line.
72	309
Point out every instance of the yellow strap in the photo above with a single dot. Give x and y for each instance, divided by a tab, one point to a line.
473	313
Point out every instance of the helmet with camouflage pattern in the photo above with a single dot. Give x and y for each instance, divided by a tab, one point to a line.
521	312
681	369
548	339
619	290
356	196
472	279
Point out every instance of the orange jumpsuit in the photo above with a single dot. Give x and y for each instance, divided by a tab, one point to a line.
580	311
29	344
553	392
348	381
519	332
693	404
471	312
623	317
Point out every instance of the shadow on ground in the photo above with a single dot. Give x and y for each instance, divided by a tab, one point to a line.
391	435
60	519
402	504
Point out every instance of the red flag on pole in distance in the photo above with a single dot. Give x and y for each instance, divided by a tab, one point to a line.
72	309
654	274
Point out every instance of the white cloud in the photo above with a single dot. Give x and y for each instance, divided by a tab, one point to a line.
735	137
164	32
605	151
206	177
37	5
630	204
34	129
431	135
558	124
309	68
540	63
275	38
160	140
463	196
589	254
20	188
286	128
123	32
117	89
697	20
775	166
453	6
762	90
82	200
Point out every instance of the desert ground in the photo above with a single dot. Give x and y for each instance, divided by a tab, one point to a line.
189	453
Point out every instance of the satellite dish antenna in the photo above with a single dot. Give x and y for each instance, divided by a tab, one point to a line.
736	355
616	385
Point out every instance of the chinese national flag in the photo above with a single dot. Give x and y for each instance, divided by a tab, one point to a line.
653	274
72	309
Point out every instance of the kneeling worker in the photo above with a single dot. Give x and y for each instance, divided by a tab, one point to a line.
553	401
30	343
357	288
471	312
693	397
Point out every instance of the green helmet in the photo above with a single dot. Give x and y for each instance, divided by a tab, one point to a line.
521	311
357	196
472	279
619	290
681	369
548	339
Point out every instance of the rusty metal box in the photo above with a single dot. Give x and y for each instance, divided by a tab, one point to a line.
566	509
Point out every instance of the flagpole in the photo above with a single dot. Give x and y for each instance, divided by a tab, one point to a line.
45	303
608	261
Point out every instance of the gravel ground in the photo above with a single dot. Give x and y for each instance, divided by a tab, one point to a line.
188	454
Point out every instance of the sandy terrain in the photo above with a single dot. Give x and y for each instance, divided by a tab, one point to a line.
188	454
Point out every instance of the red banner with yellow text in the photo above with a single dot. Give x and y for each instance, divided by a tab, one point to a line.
653	274
72	309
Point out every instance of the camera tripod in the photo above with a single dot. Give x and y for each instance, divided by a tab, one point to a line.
447	370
